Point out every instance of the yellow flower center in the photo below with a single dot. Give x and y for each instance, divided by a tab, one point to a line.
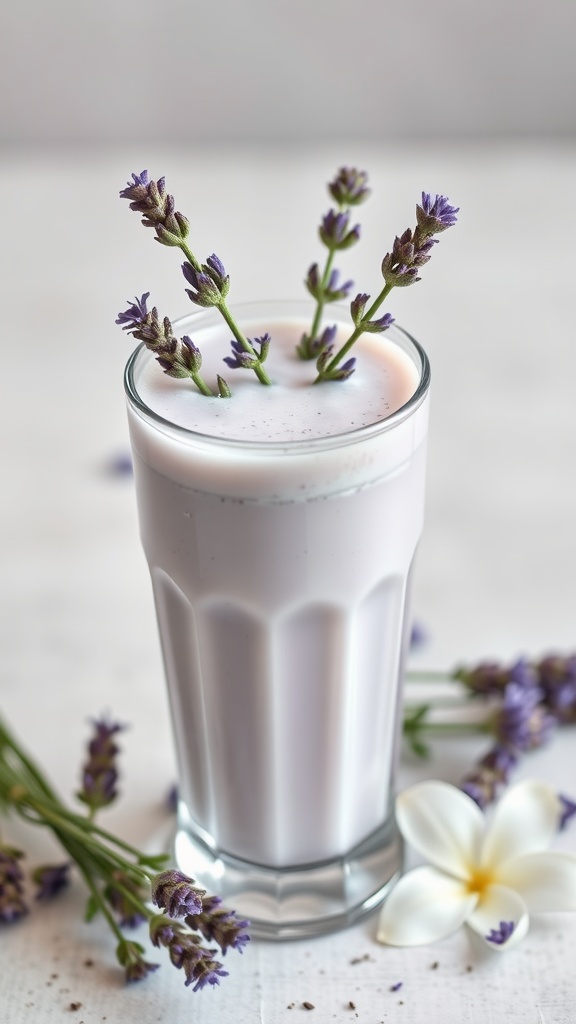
479	880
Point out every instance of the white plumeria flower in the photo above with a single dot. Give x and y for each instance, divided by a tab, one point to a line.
490	878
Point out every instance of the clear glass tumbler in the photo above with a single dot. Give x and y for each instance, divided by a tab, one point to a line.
281	576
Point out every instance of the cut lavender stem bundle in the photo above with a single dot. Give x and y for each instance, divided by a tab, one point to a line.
526	701
121	880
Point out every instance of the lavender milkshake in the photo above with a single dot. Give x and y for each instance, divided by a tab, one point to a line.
280	527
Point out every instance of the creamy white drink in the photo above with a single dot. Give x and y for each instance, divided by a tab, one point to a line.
280	527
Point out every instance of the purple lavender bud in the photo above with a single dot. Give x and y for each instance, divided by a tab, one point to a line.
488	678
219	925
334	231
336	291
51	879
100	774
568	811
161	930
557	677
137	188
435	214
349	187
172	799
132	317
139	969
190	356
129	956
207	294
262	346
500	935
12	905
522	723
418	635
216	269
344	371
324	358
485	782
198	964
210	284
339	372
377	326
397	268
357	307
151	199
240	359
313	281
120	465
190	274
524	674
176	893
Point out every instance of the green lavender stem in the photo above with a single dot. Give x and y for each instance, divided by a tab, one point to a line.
238	334
321	301
258	369
345	348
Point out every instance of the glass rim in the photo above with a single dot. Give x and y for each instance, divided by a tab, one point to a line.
295	446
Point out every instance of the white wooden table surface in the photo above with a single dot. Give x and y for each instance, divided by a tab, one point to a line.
497	566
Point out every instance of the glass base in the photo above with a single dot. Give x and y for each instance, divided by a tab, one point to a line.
303	901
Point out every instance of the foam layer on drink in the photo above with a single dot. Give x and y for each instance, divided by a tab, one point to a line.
293	408
232	446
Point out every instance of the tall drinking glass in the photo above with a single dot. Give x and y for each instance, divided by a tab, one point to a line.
280	539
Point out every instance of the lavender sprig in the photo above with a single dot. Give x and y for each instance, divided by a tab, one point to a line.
120	878
526	701
100	773
410	251
210	283
178	357
349	188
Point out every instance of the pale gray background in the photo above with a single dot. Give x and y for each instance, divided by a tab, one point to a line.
103	71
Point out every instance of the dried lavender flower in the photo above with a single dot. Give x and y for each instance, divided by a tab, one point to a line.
217	924
197	962
490	678
349	187
210	284
410	251
485	782
51	879
435	214
151	199
118	876
335	233
498	936
557	678
12	903
130	957
522	723
176	893
186	952
240	359
100	773
178	358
